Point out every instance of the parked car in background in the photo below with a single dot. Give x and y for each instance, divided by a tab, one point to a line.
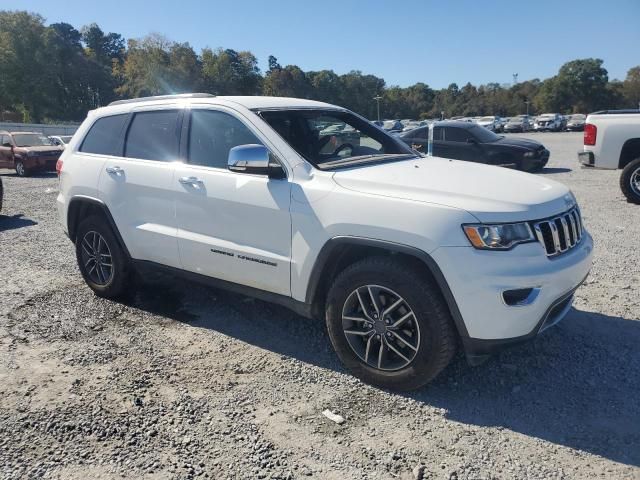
60	140
392	126
548	122
517	124
27	152
473	143
404	258
612	141
490	123
575	122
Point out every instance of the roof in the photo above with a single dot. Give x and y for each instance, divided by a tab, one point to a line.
250	102
615	112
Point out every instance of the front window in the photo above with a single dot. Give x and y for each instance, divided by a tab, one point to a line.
483	135
32	140
329	138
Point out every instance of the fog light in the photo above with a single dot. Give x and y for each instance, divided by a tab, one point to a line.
520	297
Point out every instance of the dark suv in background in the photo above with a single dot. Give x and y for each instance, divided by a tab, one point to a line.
27	152
471	142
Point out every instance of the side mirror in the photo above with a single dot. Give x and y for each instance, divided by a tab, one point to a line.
254	159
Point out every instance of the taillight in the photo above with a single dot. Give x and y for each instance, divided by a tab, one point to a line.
590	133
59	166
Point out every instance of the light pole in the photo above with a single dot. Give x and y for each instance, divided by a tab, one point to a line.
377	99
527	102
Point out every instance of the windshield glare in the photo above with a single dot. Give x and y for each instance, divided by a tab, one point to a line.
31	140
325	136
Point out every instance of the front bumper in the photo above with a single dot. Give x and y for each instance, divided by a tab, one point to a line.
41	163
478	278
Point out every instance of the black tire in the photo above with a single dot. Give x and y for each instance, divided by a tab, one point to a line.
21	170
436	341
118	281
630	181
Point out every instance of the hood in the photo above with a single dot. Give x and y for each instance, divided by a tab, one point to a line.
491	194
42	148
524	143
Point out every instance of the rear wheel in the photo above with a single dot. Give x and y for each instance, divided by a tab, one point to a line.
102	262
389	324
630	181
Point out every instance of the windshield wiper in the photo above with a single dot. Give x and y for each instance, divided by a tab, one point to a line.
363	159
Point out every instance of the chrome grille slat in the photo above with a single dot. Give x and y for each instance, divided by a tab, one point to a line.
561	233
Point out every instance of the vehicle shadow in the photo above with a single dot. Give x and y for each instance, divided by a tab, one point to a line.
577	385
14	222
548	170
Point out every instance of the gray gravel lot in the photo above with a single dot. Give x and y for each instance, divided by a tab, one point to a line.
181	381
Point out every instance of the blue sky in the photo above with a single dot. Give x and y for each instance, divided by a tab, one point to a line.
436	42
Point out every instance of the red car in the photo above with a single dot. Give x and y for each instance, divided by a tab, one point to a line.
27	152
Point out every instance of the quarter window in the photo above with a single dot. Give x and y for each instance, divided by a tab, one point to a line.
212	134
104	135
154	136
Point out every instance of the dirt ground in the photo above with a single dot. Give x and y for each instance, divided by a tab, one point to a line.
181	381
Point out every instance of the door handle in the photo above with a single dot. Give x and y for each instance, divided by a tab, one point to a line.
115	170
190	181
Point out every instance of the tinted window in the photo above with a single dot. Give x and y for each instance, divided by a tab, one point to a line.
438	134
104	135
212	134
154	136
456	134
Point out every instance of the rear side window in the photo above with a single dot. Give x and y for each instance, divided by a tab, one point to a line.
457	134
104	135
154	136
213	134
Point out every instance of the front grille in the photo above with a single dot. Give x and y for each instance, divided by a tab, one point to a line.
560	234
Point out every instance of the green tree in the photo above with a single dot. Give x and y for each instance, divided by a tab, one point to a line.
155	65
631	88
289	81
24	79
227	72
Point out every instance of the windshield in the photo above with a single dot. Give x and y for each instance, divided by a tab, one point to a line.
486	119
31	140
577	117
347	139
483	135
516	120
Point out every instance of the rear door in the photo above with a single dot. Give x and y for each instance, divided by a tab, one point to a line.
136	184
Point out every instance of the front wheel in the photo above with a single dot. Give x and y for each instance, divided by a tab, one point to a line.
389	324
630	181
21	170
102	262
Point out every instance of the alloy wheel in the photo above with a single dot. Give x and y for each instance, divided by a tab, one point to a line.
96	258
20	170
380	327
634	181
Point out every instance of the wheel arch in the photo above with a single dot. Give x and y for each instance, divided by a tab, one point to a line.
81	207
339	252
630	151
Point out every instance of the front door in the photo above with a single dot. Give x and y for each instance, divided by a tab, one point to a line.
461	144
231	226
6	153
137	185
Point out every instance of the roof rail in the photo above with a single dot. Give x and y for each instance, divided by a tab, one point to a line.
615	112
162	97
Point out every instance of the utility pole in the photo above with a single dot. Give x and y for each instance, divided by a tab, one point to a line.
527	102
377	99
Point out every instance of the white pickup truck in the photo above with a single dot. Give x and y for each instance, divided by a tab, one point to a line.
612	141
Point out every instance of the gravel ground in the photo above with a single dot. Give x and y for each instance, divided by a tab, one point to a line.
181	381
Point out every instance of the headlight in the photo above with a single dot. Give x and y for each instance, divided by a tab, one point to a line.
529	154
498	237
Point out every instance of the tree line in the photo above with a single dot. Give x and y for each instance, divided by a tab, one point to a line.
57	72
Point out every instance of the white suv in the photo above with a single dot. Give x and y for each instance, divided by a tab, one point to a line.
405	257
